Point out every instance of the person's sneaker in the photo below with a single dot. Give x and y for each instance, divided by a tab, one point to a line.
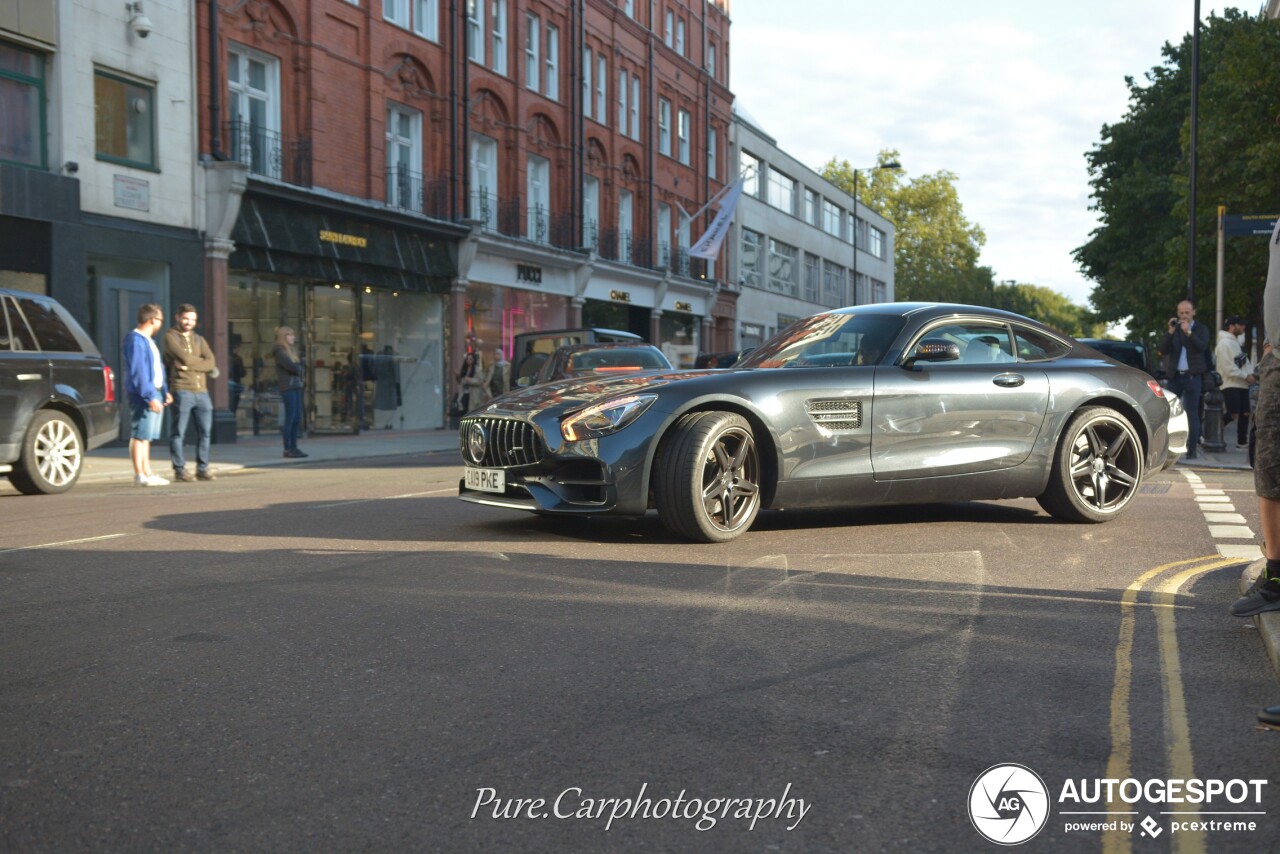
1270	717
1261	597
183	476
294	453
206	475
150	480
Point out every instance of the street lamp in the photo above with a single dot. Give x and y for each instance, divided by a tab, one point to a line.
892	164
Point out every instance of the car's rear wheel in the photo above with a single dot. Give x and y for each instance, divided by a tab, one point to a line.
1097	469
707	477
52	455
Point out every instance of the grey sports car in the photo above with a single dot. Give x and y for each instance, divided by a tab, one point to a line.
880	404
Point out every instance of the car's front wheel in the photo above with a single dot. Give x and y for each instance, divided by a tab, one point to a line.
707	477
1097	469
52	455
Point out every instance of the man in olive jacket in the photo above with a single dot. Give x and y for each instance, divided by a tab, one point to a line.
189	364
1187	347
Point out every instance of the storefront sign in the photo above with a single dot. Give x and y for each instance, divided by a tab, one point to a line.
620	296
132	193
684	306
344	239
528	273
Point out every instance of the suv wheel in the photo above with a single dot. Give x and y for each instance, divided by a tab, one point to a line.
52	455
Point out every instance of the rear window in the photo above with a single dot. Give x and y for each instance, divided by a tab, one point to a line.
51	332
1035	346
20	336
617	359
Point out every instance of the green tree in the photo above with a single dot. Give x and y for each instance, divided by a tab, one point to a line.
1139	173
935	247
1049	307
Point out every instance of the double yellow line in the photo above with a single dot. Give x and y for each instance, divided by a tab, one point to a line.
1119	763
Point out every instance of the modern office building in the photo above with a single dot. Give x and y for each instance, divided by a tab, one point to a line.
793	239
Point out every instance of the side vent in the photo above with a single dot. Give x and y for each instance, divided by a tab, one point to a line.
835	415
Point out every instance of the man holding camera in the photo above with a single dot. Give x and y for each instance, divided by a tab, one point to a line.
1186	347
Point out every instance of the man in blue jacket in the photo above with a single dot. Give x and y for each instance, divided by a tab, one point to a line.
146	391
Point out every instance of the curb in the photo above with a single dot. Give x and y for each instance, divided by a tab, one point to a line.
1268	622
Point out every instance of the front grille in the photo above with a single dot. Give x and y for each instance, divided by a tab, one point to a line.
835	414
509	443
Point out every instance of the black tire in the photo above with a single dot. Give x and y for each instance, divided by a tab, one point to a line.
1097	468
52	455
707	477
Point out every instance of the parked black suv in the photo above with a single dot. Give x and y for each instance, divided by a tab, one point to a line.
57	394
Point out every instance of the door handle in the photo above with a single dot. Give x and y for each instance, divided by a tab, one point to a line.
1009	380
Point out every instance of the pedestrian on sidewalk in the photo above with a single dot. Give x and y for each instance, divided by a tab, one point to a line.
1187	346
1237	375
289	381
146	391
498	378
189	364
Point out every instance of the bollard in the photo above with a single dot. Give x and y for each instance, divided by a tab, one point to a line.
1211	420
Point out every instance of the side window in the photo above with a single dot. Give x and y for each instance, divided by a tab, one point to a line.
20	337
51	331
980	343
5	338
1035	346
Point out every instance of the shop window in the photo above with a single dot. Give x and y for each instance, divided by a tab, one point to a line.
22	105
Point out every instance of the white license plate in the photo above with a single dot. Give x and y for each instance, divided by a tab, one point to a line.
486	480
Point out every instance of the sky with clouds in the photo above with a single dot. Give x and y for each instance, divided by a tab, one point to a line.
1007	94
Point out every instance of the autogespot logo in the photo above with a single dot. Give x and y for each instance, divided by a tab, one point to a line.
1008	804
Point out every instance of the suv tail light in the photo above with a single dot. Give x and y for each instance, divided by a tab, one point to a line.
109	382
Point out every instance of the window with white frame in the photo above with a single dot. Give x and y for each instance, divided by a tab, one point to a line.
875	242
664	234
832	218
782	191
588	103
404	157
624	113
591	211
253	88
879	291
625	202
538	186
812	277
499	36
553	63
680	36
602	89
750	167
664	126
635	107
712	144
711	60
421	16
684	121
669	29
682	244
532	52
812	208
833	279
751	262
629	7
475	31
784	268
484	180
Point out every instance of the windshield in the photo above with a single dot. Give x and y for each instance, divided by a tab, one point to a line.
827	340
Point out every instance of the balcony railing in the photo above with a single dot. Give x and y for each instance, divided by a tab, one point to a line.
268	153
409	192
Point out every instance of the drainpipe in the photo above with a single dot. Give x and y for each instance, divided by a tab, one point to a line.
215	87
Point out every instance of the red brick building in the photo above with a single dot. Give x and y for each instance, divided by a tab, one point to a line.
419	176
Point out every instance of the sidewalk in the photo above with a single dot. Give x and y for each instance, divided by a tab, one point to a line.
112	463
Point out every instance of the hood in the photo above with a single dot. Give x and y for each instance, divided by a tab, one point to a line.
582	391
1224	335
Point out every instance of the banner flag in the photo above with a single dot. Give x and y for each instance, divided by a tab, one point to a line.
708	245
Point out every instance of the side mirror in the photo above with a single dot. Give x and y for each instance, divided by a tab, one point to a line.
933	350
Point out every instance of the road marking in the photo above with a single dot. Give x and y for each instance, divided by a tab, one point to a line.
1224	523
387	498
1120	760
63	543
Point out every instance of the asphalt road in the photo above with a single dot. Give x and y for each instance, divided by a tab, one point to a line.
345	657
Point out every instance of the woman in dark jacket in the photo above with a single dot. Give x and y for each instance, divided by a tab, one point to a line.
289	381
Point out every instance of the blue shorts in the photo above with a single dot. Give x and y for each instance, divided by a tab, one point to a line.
145	424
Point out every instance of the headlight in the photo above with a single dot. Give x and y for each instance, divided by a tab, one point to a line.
607	417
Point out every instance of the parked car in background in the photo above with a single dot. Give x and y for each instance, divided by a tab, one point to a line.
871	405
1131	353
531	349
584	360
57	394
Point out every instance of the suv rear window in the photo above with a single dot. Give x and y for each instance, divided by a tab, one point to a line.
52	333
